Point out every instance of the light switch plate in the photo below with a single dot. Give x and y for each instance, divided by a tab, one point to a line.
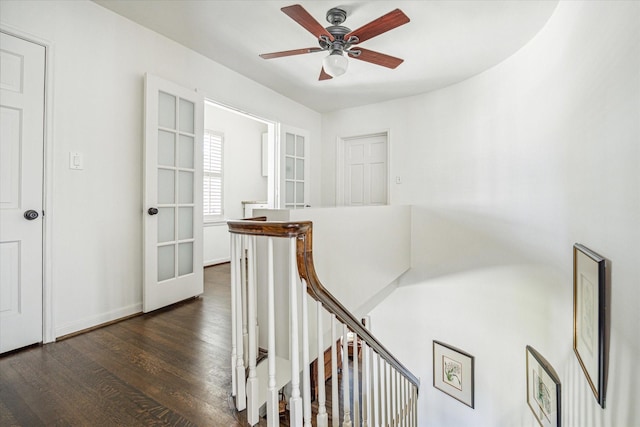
76	161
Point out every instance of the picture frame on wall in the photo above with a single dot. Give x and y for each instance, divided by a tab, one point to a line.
589	317
543	390
453	372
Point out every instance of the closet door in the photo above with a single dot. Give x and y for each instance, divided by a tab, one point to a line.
22	89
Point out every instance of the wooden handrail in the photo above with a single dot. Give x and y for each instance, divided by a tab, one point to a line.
303	232
261	227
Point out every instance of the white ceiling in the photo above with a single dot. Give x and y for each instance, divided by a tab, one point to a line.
445	42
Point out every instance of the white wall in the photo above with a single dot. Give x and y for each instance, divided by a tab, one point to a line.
507	171
243	180
98	66
359	251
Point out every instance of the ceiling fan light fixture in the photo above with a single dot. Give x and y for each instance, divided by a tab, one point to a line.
335	64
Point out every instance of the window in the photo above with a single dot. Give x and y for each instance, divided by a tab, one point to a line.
212	175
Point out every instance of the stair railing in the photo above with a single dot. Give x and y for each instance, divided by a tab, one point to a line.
389	391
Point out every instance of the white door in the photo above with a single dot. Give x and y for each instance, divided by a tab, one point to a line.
295	168
365	173
174	120
22	66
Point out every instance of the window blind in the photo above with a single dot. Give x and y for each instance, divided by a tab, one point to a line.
212	185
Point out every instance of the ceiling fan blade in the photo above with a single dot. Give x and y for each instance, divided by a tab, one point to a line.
289	52
387	22
324	75
302	17
378	58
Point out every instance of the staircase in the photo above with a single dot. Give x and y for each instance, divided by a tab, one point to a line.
267	259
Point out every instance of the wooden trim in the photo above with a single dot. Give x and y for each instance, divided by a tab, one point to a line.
259	227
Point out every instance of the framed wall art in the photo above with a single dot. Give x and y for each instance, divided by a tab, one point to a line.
453	372
543	390
589	317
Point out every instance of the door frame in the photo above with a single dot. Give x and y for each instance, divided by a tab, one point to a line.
341	142
48	326
269	156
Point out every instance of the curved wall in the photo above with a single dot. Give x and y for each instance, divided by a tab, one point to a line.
506	171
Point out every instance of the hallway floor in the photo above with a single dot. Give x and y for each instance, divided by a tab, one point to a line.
169	367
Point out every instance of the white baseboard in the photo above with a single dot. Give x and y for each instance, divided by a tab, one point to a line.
97	320
209	263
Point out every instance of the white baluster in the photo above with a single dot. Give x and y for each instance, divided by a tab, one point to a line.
394	394
366	381
400	409
273	417
406	402
335	414
255	282
403	407
379	395
243	292
415	406
295	402
392	413
322	417
306	374
398	398
372	387
409	400
373	399
356	384
234	355
252	381
345	378
386	398
241	397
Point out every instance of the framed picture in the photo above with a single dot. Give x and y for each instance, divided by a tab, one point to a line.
589	322
453	372
543	389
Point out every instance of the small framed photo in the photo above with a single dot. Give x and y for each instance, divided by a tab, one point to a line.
589	321
543	390
453	372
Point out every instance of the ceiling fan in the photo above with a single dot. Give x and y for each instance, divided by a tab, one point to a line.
338	40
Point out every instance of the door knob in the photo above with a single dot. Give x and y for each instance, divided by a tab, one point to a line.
31	215
152	211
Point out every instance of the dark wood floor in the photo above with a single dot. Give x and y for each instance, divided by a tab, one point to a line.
169	367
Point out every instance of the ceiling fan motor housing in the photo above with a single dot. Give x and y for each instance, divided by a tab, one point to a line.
336	16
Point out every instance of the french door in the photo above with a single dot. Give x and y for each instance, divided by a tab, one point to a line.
294	155
173	235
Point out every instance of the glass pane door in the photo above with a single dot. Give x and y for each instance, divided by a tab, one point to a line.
173	234
176	186
294	173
